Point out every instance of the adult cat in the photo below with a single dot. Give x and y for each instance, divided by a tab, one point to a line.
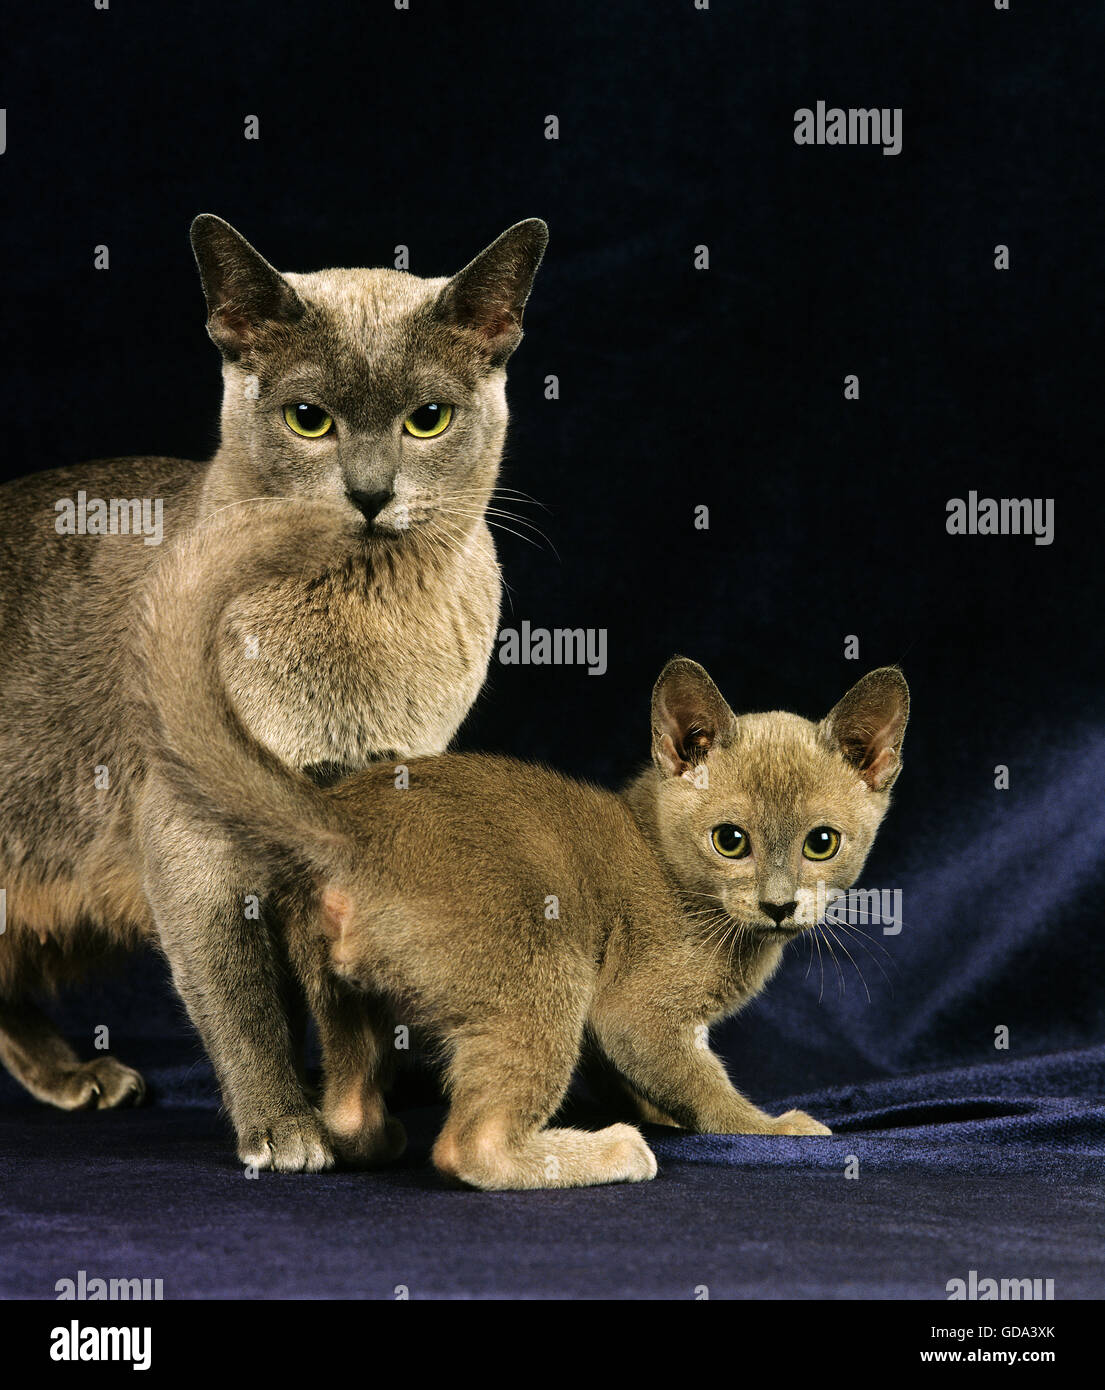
376	390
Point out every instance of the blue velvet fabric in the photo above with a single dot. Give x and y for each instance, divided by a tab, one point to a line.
994	1166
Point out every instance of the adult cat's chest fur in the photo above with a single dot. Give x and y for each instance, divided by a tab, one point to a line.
382	655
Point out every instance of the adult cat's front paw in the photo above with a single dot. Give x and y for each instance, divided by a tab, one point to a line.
798	1122
101	1084
287	1144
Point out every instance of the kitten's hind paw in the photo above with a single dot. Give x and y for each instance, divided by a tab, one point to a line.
798	1122
287	1144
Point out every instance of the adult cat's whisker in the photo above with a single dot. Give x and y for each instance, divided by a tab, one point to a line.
496	512
486	516
444	530
522	521
485	509
507	494
509	595
518	495
247	501
443	544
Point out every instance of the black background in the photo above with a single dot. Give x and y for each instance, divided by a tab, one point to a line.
678	387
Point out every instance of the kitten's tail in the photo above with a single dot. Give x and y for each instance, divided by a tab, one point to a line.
200	743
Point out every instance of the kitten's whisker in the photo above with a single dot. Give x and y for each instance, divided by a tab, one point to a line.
821	961
832	957
851	926
740	954
878	963
856	931
852	958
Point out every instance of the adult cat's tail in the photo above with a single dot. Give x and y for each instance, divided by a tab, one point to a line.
200	743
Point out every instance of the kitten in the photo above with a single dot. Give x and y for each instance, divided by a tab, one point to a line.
378	391
674	900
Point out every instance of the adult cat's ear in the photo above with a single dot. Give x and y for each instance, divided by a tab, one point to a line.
867	727
689	716
243	291
487	297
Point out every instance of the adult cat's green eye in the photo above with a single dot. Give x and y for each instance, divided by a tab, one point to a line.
428	420
308	421
730	841
821	843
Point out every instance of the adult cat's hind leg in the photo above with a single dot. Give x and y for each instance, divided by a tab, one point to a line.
356	1036
39	1058
503	1091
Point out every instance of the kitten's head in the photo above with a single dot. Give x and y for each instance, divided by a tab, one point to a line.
751	813
376	389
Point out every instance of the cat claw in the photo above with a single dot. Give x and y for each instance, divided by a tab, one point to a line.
287	1144
102	1084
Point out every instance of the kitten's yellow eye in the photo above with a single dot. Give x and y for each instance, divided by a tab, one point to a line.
428	420
308	421
730	841
821	843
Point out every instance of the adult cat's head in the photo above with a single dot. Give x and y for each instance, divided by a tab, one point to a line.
751	813
374	388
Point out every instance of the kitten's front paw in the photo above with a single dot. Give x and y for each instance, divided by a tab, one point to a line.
287	1144
798	1122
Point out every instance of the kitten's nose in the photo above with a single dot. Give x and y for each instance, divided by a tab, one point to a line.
370	504
778	912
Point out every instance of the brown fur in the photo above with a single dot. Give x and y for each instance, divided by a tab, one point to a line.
380	650
429	905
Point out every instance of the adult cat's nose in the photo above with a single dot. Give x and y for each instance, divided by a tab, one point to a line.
370	504
778	912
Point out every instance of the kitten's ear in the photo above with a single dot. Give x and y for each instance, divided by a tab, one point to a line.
487	297
867	727
243	291
689	716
